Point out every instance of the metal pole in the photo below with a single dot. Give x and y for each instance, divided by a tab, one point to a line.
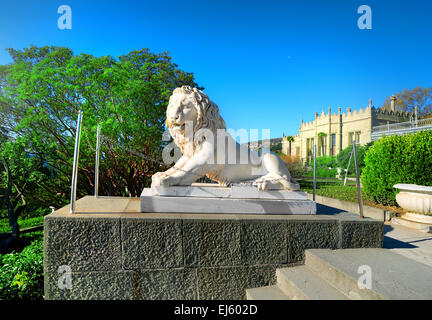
347	169
358	181
75	162
96	192
314	172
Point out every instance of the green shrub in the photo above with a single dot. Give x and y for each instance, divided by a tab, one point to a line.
397	159
325	167
21	273
344	155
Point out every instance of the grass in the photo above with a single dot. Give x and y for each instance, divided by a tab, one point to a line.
23	223
337	190
334	190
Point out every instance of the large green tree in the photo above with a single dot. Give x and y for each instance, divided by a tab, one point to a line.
43	89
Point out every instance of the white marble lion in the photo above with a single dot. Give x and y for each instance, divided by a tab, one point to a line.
196	126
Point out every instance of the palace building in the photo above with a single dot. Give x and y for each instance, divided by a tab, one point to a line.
334	132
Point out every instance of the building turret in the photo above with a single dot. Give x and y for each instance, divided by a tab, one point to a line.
392	103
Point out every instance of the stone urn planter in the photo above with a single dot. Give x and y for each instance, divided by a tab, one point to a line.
417	200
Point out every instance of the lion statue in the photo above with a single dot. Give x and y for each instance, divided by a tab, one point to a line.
199	131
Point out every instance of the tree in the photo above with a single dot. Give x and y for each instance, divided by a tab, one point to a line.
128	96
408	99
22	173
321	137
290	139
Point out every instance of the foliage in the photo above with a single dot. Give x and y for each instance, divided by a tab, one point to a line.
408	99
21	175
277	148
45	87
21	274
397	159
23	223
335	191
344	155
294	164
290	139
326	166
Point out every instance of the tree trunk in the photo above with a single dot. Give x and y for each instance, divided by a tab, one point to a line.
12	216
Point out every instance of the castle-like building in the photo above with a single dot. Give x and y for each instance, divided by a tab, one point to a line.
334	132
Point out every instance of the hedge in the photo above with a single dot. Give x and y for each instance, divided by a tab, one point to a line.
21	273
397	159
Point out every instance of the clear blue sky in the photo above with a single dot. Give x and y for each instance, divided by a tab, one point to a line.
267	64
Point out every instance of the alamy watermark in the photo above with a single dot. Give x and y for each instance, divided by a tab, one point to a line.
65	20
231	146
365	280
365	20
65	279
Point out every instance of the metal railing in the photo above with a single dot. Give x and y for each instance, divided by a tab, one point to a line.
98	140
354	155
401	128
96	192
75	163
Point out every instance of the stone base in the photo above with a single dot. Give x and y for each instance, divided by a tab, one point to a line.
412	224
213	199
115	252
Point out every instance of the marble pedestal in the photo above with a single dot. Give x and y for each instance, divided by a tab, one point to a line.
207	198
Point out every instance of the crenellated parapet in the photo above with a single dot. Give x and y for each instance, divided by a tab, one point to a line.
334	117
399	113
342	126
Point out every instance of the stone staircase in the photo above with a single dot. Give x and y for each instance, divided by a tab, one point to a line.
334	275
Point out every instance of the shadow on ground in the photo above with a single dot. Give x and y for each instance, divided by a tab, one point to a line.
391	243
323	209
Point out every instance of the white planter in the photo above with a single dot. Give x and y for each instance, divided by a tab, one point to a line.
414	198
418	200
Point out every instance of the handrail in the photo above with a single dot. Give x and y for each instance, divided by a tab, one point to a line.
75	163
97	162
360	203
402	125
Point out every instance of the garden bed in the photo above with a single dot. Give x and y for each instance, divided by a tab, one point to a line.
348	193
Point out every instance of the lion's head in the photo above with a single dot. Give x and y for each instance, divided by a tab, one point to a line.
188	104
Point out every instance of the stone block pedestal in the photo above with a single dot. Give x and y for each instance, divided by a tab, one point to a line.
206	198
115	252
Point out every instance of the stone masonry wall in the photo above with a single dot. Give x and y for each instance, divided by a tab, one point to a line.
186	256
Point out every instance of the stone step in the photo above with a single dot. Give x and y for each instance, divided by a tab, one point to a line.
300	283
266	293
423	227
393	276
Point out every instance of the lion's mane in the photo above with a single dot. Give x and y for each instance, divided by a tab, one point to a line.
208	116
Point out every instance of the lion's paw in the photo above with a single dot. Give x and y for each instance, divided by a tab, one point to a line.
268	182
160	179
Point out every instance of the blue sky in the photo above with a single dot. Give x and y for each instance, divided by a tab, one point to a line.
267	64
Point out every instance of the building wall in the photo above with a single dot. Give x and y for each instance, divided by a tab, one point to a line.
333	132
